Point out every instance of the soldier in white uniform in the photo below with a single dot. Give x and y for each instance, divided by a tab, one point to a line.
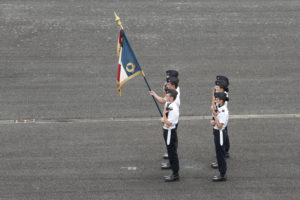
171	84
169	73
221	85
170	119
220	122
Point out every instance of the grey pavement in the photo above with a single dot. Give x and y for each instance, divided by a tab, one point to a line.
58	58
122	161
58	65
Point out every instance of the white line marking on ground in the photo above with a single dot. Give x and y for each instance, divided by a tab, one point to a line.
142	119
129	168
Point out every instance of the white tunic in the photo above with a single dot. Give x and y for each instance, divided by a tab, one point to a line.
173	115
177	100
223	116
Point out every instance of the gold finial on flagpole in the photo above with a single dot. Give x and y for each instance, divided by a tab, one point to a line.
117	19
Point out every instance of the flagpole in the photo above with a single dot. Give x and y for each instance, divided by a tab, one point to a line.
117	19
152	96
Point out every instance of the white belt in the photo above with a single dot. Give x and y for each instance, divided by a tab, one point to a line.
169	137
221	137
171	127
169	134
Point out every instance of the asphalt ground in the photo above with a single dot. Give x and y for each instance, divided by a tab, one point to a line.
117	160
58	66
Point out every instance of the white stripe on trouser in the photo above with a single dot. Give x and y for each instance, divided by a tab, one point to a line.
169	136
221	137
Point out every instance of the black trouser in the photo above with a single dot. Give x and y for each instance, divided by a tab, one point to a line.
220	151
172	149
166	138
226	142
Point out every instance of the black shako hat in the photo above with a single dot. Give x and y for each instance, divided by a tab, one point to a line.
223	84
173	80
223	78
221	95
172	73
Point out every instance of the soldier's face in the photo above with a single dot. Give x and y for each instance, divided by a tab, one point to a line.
170	86
218	89
219	101
169	98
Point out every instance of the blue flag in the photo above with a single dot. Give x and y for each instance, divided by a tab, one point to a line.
128	66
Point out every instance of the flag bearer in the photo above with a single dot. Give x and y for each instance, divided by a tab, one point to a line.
171	84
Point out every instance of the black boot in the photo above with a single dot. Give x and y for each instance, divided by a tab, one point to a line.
165	166
219	178
166	156
214	165
172	178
